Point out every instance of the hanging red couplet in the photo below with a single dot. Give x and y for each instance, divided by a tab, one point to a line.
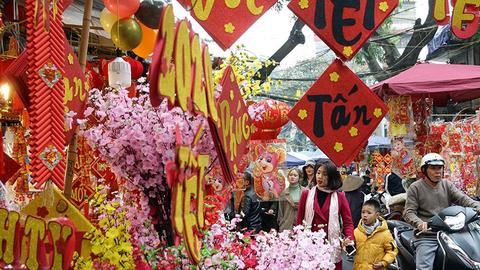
338	113
232	135
343	25
225	21
76	89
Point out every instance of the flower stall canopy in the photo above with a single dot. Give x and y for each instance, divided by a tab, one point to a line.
438	81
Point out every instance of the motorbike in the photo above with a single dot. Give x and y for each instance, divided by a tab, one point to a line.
458	234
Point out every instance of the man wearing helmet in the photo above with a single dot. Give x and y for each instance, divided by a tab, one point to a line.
426	198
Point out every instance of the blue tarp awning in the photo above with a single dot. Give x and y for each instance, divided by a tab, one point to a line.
299	158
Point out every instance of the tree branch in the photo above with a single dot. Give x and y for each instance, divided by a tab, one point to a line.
422	35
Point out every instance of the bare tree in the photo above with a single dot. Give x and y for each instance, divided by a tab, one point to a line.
381	69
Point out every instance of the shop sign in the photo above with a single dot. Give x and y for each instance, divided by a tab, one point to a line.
343	25
226	20
338	113
44	244
232	135
464	18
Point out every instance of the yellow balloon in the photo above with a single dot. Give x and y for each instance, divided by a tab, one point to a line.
126	34
145	48
107	20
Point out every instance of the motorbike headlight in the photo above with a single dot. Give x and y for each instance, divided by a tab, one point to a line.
455	222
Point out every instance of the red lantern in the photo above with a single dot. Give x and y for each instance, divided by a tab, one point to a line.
269	116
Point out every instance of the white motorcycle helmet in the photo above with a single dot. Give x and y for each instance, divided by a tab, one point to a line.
431	159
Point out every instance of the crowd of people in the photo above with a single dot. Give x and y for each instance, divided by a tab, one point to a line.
349	210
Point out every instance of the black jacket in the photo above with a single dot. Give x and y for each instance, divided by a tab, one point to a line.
269	221
252	211
355	201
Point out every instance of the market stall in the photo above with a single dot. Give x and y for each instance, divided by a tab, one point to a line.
414	130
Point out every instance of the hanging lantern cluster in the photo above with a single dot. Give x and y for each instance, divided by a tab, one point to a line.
132	25
269	116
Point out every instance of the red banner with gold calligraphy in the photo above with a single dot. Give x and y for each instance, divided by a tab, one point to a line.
225	21
232	136
76	90
343	25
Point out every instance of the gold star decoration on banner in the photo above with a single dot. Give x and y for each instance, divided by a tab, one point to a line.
229	28
303	4
298	93
334	77
347	51
302	114
377	112
338	146
70	59
353	131
253	128
232	95
383	6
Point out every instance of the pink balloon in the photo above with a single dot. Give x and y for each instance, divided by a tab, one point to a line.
122	8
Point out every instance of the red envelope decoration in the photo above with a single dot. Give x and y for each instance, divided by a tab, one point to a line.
11	168
225	21
343	25
338	113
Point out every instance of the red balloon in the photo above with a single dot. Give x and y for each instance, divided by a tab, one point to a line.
123	8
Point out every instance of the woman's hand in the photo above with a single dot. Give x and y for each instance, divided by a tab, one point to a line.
347	242
378	265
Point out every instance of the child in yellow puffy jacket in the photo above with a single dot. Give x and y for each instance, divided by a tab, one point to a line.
374	243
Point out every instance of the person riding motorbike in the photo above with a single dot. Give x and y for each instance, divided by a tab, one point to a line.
427	197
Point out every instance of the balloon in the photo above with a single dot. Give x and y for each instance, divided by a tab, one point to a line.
107	20
145	48
122	8
149	13
126	34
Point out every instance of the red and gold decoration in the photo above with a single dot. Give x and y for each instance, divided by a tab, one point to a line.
46	67
271	117
232	134
268	158
343	25
465	16
225	21
381	163
77	87
37	243
51	204
181	72
338	113
186	177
